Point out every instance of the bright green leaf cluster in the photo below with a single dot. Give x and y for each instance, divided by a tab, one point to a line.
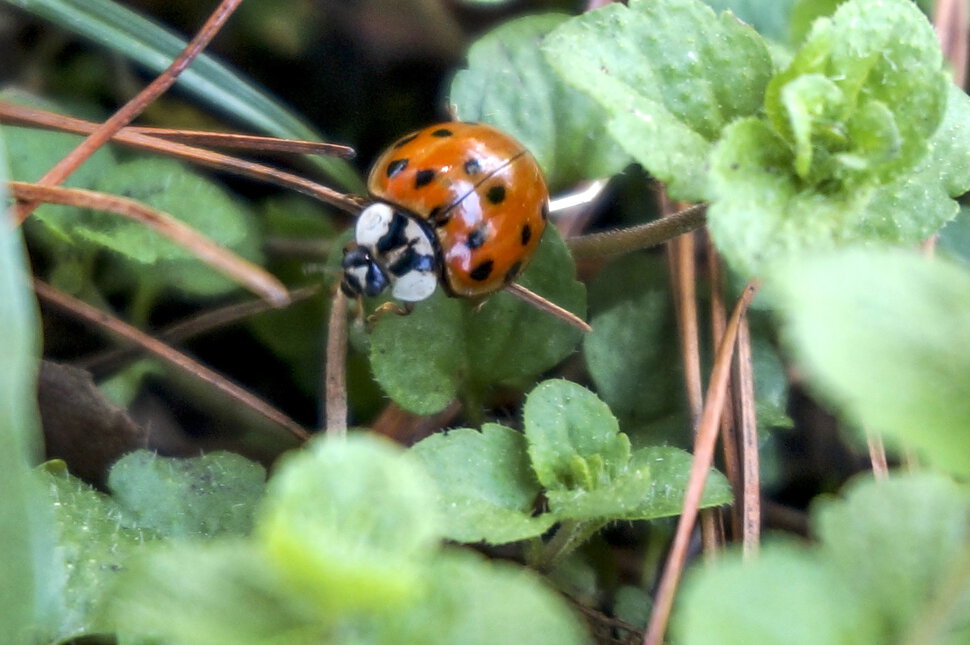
886	337
892	566
449	347
346	549
572	452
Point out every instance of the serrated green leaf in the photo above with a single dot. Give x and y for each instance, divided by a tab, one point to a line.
886	94
129	34
509	84
671	74
769	17
886	337
93	546
574	440
635	367
199	497
901	541
486	488
785	596
218	593
29	595
651	485
350	525
804	13
448	347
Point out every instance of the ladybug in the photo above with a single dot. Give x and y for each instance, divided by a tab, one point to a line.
463	205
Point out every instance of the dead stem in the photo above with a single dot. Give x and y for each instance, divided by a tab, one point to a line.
703	458
69	163
335	378
128	334
237	269
597	245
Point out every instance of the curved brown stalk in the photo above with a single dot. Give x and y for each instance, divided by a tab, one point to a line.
638	237
704	443
250	275
123	116
128	334
18	114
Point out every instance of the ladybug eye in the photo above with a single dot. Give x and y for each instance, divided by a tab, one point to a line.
362	275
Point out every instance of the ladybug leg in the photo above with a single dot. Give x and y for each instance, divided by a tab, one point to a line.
390	307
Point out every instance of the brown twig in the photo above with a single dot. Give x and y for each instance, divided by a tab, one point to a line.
744	407
18	114
128	334
104	363
240	270
335	371
951	24
124	115
877	456
703	458
248	142
548	306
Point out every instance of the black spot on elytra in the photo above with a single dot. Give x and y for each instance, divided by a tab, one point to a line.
513	272
496	194
396	166
475	239
544	211
526	234
472	167
442	132
406	140
423	178
482	271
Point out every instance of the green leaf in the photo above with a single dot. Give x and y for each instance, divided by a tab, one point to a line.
635	368
804	13
28	595
885	97
173	188
124	31
651	485
904	542
474	601
350	525
785	596
486	488
449	347
893	566
574	440
203	496
93	547
216	593
509	84
768	17
886	337
671	74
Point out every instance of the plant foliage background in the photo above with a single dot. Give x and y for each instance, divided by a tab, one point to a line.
827	139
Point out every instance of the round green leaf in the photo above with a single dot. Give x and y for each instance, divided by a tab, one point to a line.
886	337
350	524
449	347
486	488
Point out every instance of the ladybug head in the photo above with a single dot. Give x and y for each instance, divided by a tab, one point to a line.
362	275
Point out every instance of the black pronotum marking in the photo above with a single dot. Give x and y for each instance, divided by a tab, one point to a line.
394	238
526	234
472	167
411	260
496	194
482	271
423	178
442	132
395	167
513	272
406	140
475	239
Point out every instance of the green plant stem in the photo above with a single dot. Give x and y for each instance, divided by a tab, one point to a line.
639	237
569	535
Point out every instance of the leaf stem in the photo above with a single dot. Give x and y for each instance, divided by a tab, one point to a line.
639	237
569	535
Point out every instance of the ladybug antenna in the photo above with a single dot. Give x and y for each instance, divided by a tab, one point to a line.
548	306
